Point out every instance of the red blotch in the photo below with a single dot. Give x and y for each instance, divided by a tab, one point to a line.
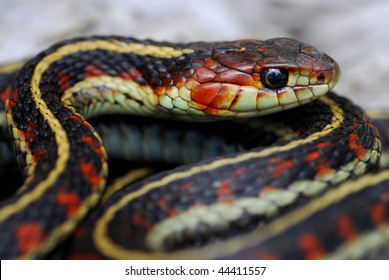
4	94
28	134
311	156
172	212
29	237
77	118
63	81
90	173
280	166
95	144
13	97
185	187
39	153
92	71
224	188
205	93
239	172
140	220
162	203
378	213
323	145
385	196
132	74
70	200
322	168
224	192
311	246
356	145
346	229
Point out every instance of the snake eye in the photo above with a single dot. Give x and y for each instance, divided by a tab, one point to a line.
274	78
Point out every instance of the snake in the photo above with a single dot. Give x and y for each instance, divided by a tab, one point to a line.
303	195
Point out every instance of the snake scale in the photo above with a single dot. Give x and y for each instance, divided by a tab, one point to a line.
260	178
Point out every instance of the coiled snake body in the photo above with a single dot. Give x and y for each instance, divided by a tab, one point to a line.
266	202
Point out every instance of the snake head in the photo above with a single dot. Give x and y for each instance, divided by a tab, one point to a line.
249	78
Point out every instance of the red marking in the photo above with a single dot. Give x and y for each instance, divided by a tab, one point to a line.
39	153
28	134
323	145
95	144
10	96
185	187
224	188
234	77
356	145
311	246
92	71
90	173
280	166
162	203
63	81
77	118
29	237
322	168
224	192
140	220
4	94
385	196
312	156
203	75
378	213
133	74
172	212
70	200
239	172
205	93
346	229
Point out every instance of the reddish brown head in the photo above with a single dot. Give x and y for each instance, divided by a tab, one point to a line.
249	77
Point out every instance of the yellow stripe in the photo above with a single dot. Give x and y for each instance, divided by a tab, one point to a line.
255	237
125	180
112	250
55	125
11	67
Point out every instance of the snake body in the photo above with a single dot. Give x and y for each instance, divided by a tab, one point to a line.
189	211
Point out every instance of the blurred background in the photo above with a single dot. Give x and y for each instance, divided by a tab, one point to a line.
353	32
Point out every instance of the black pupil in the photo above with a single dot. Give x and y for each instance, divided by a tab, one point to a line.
274	78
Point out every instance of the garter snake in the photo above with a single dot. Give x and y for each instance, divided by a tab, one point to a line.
226	207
